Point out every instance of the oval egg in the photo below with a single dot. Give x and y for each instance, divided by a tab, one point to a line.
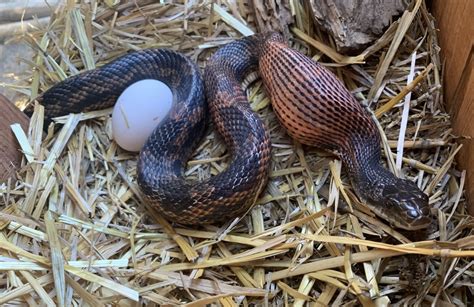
138	111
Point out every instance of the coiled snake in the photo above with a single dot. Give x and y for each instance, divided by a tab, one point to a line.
310	102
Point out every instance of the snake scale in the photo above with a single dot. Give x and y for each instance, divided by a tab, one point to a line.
310	102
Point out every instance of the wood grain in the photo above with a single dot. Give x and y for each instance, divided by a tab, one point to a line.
355	24
456	25
10	155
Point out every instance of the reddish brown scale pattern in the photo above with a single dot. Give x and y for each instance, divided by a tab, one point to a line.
309	101
317	110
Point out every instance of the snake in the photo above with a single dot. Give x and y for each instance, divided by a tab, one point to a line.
310	102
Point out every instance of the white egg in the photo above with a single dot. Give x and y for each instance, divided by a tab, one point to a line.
138	111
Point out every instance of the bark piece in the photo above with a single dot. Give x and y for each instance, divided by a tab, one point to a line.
355	24
273	15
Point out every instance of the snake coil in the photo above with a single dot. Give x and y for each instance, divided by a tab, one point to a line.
310	102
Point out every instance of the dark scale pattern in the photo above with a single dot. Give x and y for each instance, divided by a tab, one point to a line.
163	158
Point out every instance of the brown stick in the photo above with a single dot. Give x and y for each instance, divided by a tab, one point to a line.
419	144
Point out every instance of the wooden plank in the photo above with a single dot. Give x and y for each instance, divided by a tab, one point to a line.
456	26
10	156
11	29
13	11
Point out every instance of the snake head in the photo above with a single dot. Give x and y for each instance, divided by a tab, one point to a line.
406	206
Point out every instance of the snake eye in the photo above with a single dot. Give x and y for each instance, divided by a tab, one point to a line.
414	213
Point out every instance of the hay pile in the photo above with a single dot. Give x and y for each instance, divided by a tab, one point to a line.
73	228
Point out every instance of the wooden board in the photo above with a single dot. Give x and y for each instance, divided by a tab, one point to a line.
456	25
10	155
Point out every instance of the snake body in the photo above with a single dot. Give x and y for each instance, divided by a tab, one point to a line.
310	102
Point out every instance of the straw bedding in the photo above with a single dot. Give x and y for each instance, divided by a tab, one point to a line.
74	229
